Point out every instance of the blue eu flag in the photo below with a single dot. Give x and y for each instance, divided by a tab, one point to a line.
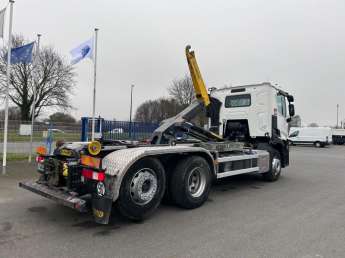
83	50
22	54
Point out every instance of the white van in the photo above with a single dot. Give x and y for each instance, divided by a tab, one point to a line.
318	136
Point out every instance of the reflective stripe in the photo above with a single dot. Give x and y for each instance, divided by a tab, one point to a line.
90	174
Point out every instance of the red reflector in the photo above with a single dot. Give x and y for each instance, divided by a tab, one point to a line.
101	176
87	173
39	159
90	174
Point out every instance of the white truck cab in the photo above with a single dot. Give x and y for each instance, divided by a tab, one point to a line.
257	114
251	107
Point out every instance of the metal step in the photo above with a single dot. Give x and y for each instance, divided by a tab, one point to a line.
237	157
55	194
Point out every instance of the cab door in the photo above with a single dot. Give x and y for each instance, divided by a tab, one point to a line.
282	116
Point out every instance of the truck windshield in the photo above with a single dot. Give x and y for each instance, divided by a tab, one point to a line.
243	100
281	104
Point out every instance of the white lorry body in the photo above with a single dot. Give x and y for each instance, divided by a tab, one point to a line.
318	136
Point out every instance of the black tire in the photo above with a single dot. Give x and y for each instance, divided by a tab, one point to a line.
167	199
317	144
274	172
183	179
139	176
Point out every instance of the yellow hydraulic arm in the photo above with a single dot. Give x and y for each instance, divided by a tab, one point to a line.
166	131
198	83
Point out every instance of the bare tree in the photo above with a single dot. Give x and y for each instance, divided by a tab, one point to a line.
313	125
55	80
62	117
13	113
182	90
155	111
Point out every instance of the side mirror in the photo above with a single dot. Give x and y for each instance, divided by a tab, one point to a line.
290	98
291	110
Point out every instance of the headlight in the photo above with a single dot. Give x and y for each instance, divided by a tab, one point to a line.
100	188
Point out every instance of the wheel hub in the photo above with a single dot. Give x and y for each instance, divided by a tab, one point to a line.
276	166
196	182
143	186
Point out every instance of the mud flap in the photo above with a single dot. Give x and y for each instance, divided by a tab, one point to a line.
101	209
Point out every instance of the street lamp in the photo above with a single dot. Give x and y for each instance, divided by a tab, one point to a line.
130	113
34	93
337	114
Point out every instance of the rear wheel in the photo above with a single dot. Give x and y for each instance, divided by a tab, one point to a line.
190	182
142	189
317	144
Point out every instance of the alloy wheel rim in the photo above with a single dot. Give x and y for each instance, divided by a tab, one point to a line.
143	186
196	182
276	166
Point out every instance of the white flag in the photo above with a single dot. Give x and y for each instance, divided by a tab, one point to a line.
2	22
83	50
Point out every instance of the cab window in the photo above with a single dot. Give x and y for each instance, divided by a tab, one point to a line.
281	105
233	101
294	134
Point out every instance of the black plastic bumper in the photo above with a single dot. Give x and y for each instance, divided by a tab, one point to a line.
56	194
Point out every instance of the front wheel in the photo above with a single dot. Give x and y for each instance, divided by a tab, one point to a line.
275	167
142	189
190	182
274	171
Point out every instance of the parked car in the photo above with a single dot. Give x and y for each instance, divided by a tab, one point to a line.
116	130
317	136
338	136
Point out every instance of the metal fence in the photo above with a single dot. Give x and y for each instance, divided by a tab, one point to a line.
18	146
117	130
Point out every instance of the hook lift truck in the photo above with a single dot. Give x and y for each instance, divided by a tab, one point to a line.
247	133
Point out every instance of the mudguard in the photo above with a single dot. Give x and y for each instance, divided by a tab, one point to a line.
117	163
101	208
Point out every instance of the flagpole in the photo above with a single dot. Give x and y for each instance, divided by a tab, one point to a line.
4	154
94	87
34	93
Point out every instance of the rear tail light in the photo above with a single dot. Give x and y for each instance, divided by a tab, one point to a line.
94	175
39	159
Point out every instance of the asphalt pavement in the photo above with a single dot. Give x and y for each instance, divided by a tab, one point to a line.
301	215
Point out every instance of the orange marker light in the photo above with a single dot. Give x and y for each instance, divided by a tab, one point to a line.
90	161
41	150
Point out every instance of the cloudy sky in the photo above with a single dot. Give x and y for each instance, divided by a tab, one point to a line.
298	44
